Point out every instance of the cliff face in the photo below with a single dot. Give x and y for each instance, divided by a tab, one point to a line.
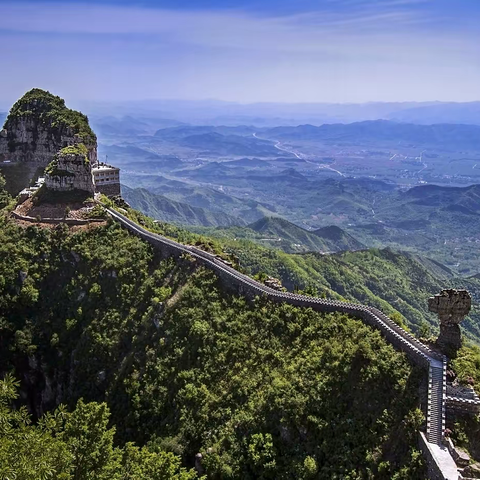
39	125
70	170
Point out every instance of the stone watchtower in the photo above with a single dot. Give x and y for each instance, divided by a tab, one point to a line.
451	306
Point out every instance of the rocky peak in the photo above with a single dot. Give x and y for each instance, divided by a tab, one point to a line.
70	170
39	125
451	306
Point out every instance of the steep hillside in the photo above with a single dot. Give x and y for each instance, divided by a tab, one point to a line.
166	210
289	237
397	282
278	229
201	196
263	391
38	125
278	233
338	238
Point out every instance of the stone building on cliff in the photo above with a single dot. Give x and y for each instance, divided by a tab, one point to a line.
106	179
41	132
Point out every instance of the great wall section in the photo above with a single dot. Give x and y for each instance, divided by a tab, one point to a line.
437	451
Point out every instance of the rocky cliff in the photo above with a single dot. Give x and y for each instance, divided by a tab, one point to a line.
70	169
39	125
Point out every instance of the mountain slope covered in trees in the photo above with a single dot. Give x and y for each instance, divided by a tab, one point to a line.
262	390
167	210
399	283
278	233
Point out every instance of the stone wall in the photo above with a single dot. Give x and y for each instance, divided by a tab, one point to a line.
54	221
458	405
234	280
440	463
108	189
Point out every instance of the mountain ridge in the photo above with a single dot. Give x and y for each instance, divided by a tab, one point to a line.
167	210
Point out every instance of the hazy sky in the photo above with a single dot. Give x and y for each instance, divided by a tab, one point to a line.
247	51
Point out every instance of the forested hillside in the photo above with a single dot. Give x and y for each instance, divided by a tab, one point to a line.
399	283
276	232
166	210
262	391
395	282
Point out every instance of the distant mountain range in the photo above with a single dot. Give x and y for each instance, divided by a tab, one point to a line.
176	133
438	221
270	231
216	143
273	114
382	131
111	126
292	238
465	113
218	140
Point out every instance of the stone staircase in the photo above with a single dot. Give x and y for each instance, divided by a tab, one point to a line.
436	402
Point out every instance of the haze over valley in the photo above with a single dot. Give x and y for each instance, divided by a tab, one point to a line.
370	175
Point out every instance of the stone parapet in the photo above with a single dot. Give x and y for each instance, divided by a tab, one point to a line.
108	189
462	405
440	463
401	339
68	221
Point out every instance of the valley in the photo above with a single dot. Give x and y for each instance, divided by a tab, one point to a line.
384	201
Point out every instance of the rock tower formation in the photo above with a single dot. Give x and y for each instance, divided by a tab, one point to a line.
70	170
37	128
451	306
39	125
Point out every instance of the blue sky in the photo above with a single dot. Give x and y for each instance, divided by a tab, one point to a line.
245	51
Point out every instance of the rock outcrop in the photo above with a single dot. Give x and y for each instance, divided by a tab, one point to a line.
70	170
39	125
451	306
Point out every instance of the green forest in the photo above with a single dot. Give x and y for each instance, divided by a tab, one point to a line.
118	363
398	283
153	363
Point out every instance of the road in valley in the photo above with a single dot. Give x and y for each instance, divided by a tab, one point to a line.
300	156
